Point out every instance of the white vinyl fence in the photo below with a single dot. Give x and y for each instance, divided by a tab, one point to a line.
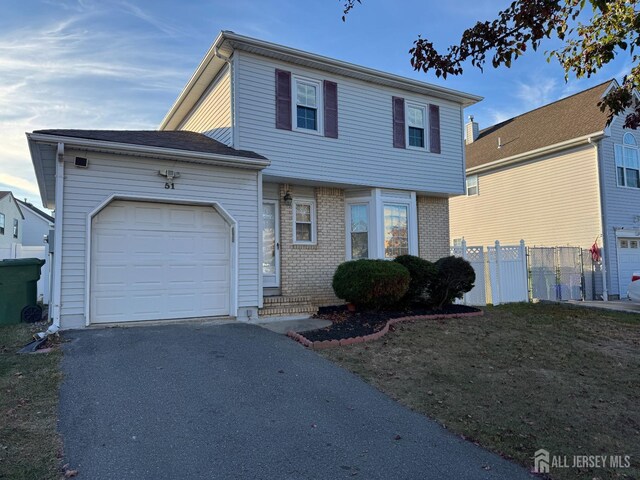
506	269
20	251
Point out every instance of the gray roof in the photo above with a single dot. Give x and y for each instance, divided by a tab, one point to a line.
36	210
177	140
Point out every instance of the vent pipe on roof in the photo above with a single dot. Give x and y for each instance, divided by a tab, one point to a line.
471	130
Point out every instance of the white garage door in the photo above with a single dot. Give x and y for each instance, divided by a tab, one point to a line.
628	262
155	261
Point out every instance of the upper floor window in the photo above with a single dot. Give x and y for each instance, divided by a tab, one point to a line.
307	102
1	223
627	162
416	125
472	185
15	228
306	105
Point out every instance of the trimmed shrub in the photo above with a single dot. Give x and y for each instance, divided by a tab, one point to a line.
455	277
422	273
376	284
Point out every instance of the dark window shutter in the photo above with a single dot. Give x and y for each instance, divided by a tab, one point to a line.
398	123
434	128
330	109
283	99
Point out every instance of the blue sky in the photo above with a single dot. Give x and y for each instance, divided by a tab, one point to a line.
120	64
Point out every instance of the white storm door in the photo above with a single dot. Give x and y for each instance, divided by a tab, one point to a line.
156	261
270	244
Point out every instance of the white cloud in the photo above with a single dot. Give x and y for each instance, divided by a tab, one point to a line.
78	72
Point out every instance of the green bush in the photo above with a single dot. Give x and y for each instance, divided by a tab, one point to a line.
454	277
376	284
422	273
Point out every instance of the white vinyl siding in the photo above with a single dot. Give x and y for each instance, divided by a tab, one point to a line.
9	209
551	201
212	114
363	154
84	189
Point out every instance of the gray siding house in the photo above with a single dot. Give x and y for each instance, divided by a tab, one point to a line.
11	223
273	166
555	176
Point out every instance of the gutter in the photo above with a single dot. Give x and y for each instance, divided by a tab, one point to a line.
503	162
233	161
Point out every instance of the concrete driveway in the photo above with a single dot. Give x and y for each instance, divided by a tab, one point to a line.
237	401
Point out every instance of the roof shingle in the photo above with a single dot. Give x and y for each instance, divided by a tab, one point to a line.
174	139
566	119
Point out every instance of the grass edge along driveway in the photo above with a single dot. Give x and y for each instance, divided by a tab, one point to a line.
29	444
520	378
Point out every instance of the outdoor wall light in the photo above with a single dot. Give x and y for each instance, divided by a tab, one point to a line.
287	198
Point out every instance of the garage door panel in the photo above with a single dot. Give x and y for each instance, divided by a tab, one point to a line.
154	261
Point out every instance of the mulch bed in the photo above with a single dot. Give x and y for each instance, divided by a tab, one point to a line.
346	324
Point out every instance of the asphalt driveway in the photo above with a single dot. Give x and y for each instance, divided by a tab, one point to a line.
237	401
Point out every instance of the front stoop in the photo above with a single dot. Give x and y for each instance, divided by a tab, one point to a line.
283	306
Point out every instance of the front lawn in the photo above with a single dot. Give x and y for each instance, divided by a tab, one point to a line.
520	378
29	445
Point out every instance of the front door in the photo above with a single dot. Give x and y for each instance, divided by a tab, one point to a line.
270	244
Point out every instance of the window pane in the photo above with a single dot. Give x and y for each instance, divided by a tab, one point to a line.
307	118
306	95
1	220
359	218
633	180
416	137
303	212
618	156
629	139
359	245
303	232
631	158
268	239
415	116
395	231
621	176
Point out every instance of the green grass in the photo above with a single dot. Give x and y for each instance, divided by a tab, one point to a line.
520	378
29	445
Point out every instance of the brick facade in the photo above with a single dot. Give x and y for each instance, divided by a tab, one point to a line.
307	270
433	227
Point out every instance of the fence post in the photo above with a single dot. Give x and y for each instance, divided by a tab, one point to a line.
523	257
498	286
464	256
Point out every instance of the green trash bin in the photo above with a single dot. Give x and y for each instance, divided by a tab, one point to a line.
19	289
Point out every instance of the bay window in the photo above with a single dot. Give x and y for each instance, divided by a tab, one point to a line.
359	231
396	230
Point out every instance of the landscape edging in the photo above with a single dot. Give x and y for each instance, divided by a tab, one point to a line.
320	345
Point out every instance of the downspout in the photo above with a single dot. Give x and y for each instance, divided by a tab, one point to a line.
603	222
57	233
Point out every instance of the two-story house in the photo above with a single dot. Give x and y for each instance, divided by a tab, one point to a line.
11	220
273	166
557	175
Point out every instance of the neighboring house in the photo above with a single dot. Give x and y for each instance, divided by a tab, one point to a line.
273	167
11	223
557	175
36	225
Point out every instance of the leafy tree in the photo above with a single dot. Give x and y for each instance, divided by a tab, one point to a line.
592	32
